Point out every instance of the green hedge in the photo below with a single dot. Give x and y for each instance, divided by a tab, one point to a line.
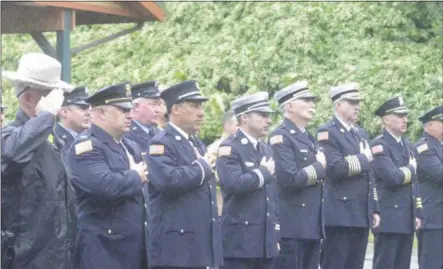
233	48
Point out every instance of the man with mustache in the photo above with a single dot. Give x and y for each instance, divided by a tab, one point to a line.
300	170
108	175
429	154
351	202
145	113
74	118
245	167
184	227
395	168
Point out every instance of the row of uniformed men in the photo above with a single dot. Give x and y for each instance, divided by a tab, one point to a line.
260	216
280	198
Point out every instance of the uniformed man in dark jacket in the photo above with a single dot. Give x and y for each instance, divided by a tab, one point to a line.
145	114
395	167
74	118
108	175
183	225
429	154
245	167
300	170
34	181
351	205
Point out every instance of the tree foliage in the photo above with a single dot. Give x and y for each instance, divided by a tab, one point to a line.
233	48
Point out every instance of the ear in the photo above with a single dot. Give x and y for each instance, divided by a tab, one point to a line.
385	120
290	106
175	109
28	96
244	118
63	112
135	106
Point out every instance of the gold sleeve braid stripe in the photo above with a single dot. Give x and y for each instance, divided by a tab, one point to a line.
375	194
312	175
407	174
354	165
419	202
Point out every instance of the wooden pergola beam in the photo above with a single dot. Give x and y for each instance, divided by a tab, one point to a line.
149	9
26	19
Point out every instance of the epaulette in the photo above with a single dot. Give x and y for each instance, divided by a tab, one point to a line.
327	125
378	137
161	135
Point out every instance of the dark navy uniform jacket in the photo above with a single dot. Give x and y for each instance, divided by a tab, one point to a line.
64	138
35	197
299	178
429	155
250	226
184	226
140	136
396	184
110	204
349	190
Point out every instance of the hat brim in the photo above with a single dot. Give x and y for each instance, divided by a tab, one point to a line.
262	109
309	97
80	103
195	99
357	98
146	96
14	76
124	105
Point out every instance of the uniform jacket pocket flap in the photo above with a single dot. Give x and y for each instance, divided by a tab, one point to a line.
178	230
301	204
243	222
345	198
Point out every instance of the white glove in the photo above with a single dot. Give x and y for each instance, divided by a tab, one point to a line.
52	102
366	150
269	164
413	162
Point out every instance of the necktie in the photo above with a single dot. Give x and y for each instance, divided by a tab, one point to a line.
354	135
260	148
130	158
196	144
403	147
307	138
151	130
